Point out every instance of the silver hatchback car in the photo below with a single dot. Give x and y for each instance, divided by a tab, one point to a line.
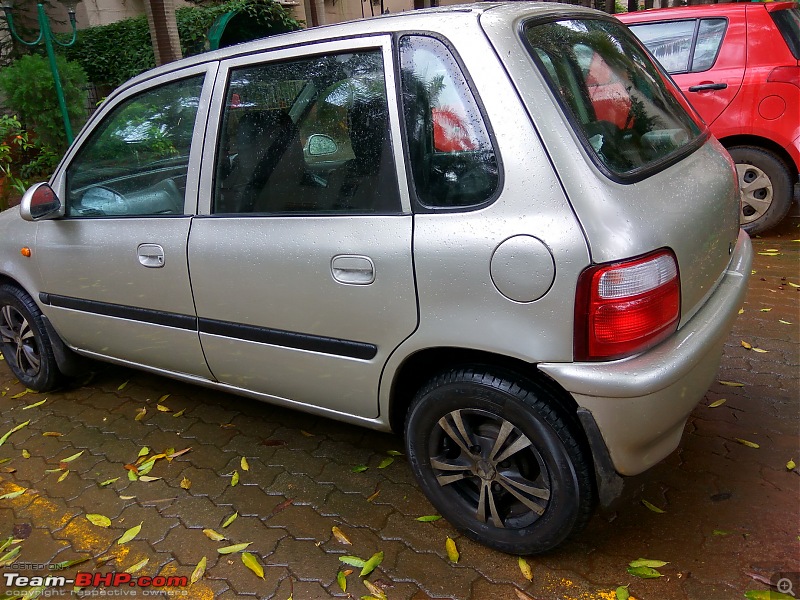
498	229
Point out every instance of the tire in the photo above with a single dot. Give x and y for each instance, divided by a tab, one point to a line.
539	457
766	186
24	340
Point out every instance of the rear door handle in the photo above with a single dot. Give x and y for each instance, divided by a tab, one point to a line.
708	86
150	255
353	269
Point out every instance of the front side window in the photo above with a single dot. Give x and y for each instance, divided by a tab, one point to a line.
307	136
452	159
136	161
629	115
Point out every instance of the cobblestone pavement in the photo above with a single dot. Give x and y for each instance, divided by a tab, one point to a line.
730	510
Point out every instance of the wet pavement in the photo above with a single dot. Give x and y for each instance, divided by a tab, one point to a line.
730	520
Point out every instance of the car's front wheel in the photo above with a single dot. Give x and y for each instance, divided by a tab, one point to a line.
766	188
24	341
499	460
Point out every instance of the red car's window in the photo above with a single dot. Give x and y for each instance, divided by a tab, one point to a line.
788	23
629	114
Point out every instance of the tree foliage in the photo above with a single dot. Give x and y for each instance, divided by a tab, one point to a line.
112	54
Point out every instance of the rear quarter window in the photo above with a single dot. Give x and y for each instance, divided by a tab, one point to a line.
629	115
788	23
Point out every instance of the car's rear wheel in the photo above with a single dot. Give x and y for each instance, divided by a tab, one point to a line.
766	188
499	460
24	341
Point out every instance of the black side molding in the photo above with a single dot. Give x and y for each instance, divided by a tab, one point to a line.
289	339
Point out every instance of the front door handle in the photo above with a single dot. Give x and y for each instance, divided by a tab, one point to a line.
352	269
150	255
708	86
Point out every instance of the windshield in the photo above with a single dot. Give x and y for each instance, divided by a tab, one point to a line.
630	116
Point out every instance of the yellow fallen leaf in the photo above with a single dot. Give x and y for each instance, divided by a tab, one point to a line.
25	453
717	403
198	571
452	550
99	520
213	535
138	566
130	534
143	452
163	408
376	592
148	479
339	534
760	350
185	483
244	464
122	386
741	311
652	507
747	443
63	476
794	285
140	415
235	478
251	562
525	568
791	465
306	433
746	345
164	397
732	383
784	322
233	549
766	309
230	519
179	413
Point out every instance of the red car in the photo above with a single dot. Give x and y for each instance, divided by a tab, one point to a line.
739	66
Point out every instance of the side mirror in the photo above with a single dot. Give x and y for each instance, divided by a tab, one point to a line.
320	144
40	202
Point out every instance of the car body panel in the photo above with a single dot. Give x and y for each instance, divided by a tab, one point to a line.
641	403
609	211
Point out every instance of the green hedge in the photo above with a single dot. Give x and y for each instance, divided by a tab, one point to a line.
112	54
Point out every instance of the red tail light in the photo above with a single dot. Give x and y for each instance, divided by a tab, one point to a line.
625	308
785	75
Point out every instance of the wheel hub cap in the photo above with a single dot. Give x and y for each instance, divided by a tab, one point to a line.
485	470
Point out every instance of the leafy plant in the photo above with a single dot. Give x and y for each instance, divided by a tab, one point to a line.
112	54
30	92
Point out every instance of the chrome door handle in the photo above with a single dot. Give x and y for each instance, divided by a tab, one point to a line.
353	270
150	255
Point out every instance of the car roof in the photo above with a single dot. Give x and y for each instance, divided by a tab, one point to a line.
428	19
687	12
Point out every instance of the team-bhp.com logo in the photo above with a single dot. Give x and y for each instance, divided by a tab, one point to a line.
97	580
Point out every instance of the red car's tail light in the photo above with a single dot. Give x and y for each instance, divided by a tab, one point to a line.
624	308
785	75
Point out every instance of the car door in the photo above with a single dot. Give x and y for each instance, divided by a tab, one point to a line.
114	269
302	269
706	57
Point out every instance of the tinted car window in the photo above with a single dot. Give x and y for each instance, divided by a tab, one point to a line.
452	158
136	160
788	22
709	38
627	112
670	42
308	136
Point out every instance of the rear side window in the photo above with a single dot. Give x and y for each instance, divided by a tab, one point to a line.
788	23
452	158
683	46
309	136
630	116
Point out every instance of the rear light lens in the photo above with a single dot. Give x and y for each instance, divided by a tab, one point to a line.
625	308
785	75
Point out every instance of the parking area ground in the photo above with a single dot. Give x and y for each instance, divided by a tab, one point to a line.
722	511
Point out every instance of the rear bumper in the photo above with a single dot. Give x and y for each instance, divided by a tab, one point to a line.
641	404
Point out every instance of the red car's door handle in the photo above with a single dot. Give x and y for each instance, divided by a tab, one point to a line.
708	86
